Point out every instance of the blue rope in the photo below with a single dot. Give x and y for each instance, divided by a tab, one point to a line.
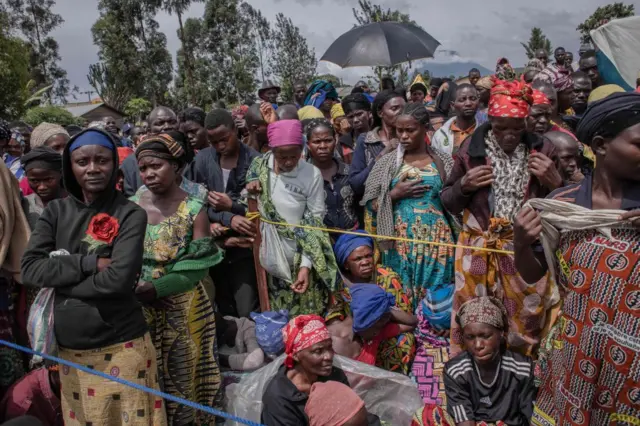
182	401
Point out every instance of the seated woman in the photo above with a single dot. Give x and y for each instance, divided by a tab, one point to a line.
334	404
37	394
354	254
291	190
487	383
238	347
309	360
339	200
178	252
373	321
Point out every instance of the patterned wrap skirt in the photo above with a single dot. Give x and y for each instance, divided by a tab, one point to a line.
88	399
184	336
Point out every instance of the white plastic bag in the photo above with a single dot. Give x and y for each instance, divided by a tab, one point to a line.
391	396
40	325
272	253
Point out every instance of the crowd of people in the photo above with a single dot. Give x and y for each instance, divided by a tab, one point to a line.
481	237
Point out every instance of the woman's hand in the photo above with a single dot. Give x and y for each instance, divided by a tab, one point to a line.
633	216
217	229
408	188
242	225
545	170
268	113
103	263
477	178
527	227
254	187
220	201
238	242
301	285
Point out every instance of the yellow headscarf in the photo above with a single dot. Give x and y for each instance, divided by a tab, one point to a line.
309	112
337	111
602	92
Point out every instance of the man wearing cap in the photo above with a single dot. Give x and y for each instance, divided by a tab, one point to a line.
269	93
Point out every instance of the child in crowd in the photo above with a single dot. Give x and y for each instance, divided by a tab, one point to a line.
487	382
238	347
374	319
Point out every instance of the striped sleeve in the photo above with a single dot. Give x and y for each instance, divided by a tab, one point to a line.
457	390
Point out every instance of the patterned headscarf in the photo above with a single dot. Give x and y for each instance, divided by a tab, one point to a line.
17	136
485	82
5	131
510	99
540	98
160	146
269	327
301	333
483	310
504	70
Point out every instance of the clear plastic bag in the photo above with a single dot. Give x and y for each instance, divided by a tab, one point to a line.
40	325
392	397
272	253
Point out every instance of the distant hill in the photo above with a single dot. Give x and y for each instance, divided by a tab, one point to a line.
458	69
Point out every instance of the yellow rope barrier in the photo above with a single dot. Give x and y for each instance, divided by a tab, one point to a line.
256	215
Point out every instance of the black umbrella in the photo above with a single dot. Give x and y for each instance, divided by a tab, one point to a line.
382	44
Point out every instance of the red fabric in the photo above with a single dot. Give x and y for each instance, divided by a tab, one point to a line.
123	153
32	396
370	347
510	99
540	98
301	333
24	187
332	404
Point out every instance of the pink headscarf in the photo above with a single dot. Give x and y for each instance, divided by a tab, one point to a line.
332	404
285	133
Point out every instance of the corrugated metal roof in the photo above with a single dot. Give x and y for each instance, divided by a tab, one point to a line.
80	110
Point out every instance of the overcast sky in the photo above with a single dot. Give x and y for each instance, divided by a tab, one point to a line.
476	33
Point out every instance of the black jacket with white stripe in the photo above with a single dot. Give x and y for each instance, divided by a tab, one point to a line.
509	398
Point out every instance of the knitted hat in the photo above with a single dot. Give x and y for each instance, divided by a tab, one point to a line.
44	131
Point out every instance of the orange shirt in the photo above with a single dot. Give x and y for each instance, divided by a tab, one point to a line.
459	135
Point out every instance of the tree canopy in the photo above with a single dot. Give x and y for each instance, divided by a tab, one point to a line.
601	16
537	41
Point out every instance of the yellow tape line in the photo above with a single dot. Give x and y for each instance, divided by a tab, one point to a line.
256	215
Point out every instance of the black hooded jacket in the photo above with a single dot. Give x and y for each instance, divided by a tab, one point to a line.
92	309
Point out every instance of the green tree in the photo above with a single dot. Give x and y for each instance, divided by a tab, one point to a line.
367	13
132	50
293	59
137	109
108	86
36	21
537	40
179	7
601	16
14	71
50	114
260	32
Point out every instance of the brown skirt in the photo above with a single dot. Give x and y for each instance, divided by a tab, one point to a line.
88	399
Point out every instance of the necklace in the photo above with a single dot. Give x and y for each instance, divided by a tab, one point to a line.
495	379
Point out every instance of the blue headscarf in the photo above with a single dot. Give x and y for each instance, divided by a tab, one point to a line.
269	327
347	243
92	138
368	304
326	91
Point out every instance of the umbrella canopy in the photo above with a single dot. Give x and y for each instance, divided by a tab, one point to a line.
383	44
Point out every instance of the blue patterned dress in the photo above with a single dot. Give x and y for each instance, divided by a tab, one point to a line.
421	267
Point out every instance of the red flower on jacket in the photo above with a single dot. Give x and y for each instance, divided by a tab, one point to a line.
103	228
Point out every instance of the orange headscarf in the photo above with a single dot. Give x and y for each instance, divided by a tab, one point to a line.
510	99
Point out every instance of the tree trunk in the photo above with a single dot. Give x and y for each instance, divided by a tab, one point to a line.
187	64
40	56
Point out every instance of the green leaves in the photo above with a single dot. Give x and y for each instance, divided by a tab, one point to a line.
601	16
537	41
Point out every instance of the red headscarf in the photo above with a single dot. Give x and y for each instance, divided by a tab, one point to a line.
301	333
510	99
332	404
540	98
